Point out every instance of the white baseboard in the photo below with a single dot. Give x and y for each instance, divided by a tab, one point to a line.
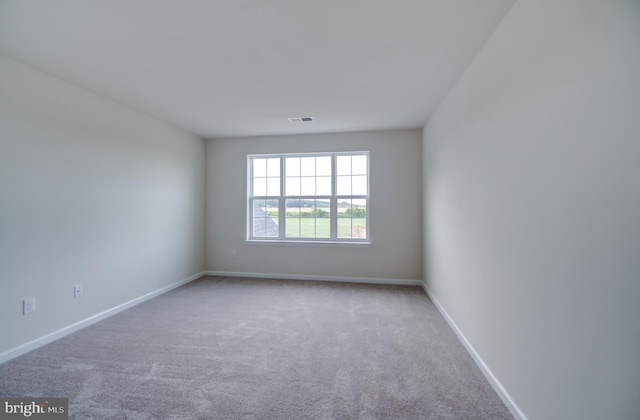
495	383
371	280
39	342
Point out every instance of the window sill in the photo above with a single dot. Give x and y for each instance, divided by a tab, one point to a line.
302	242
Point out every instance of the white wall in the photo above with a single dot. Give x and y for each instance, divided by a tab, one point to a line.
93	193
395	208
532	207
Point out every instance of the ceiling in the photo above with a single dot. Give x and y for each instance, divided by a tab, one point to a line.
227	68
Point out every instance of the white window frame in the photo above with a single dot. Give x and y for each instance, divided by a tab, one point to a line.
282	198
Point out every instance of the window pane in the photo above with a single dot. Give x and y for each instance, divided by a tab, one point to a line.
292	218
265	219
359	185
323	219
308	166
344	219
307	223
359	202
359	165
323	185
293	186
259	167
323	205
273	167
293	166
308	186
258	208
343	165
352	219
308	218
323	166
359	219
259	186
344	185
273	186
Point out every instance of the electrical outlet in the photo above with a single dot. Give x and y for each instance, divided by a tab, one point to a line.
77	291
28	305
234	253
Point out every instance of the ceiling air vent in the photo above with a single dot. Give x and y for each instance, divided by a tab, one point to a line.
300	119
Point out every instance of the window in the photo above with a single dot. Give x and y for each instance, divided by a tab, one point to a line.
321	197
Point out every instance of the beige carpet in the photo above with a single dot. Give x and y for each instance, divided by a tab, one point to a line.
229	348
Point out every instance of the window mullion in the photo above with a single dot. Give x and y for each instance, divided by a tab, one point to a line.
281	218
250	198
281	202
333	206
249	217
333	223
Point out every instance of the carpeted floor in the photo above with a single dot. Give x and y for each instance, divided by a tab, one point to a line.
229	348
